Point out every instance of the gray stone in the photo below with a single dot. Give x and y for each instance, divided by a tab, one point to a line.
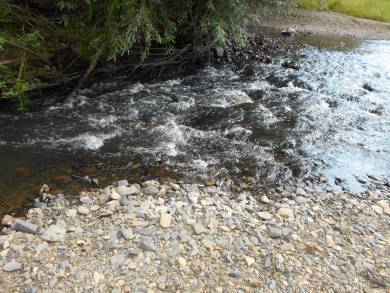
54	233
146	231
23	226
265	242
193	187
103	198
123	190
268	262
124	201
219	51
238	243
274	232
377	236
148	246
301	192
80	275
38	222
64	264
233	273
123	183
12	266
272	285
39	205
161	279
151	190
86	200
380	282
255	240
117	259
212	190
174	235
52	283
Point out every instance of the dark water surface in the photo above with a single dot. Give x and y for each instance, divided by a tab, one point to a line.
254	122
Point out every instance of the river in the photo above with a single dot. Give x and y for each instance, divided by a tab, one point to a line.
326	123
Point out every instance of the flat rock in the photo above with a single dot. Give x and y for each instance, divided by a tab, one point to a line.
12	266
104	213
165	220
238	243
193	196
70	213
82	210
301	192
123	190
285	212
151	190
345	230
7	220
193	187
274	232
287	247
199	229
54	234
123	183
264	215
148	246
23	226
117	259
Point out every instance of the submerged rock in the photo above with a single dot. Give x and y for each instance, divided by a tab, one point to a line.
289	32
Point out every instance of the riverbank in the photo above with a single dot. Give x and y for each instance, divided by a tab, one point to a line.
183	236
325	22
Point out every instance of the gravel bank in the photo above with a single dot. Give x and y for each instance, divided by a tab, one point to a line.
326	22
182	236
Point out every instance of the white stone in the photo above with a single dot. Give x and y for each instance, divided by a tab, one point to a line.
98	277
115	196
249	260
71	213
377	209
82	210
285	212
264	199
165	220
181	261
264	215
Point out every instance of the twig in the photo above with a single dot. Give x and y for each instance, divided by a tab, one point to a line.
25	49
85	76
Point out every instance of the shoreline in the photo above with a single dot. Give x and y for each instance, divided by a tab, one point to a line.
183	236
324	22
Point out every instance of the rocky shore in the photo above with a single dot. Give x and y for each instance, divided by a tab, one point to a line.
182	236
324	22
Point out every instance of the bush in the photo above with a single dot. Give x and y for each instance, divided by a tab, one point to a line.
33	32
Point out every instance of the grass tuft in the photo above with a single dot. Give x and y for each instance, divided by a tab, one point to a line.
370	9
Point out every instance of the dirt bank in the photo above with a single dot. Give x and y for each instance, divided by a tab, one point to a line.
326	22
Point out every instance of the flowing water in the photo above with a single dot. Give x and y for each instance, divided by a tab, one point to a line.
254	122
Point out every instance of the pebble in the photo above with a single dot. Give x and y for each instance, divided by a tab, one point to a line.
54	233
82	210
23	226
149	242
12	266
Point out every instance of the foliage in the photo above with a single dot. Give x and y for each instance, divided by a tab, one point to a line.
371	9
33	32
